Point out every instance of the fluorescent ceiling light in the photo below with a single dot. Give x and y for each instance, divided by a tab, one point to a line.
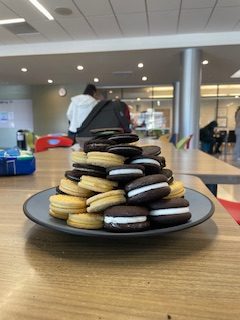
41	8
10	21
236	74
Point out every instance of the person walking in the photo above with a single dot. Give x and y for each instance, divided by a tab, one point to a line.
236	151
79	108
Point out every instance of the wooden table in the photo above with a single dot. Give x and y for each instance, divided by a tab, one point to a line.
191	274
196	162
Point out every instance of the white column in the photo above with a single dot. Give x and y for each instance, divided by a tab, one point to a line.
175	110
189	111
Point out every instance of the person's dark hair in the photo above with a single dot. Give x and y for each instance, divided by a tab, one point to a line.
90	90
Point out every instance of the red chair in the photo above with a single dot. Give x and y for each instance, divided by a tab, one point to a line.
51	141
232	207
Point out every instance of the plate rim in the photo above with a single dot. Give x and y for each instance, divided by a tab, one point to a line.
107	234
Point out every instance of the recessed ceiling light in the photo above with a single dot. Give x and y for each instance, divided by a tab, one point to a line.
41	8
236	97
140	65
9	21
80	67
110	91
205	62
138	99
96	80
117	97
144	78
50	81
24	69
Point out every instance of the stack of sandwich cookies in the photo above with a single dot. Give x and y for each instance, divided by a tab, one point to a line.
62	205
167	213
126	219
119	181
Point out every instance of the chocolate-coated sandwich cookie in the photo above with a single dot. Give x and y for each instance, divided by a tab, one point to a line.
73	175
97	145
125	172
124	138
152	164
147	189
169	174
172	212
126	150
88	170
151	150
126	219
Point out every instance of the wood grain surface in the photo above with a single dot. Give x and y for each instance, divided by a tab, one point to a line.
191	274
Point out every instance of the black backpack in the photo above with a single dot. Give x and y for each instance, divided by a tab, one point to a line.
106	114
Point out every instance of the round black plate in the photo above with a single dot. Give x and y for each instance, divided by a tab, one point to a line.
36	209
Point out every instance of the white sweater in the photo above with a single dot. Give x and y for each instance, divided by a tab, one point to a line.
79	109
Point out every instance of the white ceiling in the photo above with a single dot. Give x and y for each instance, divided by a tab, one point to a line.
99	33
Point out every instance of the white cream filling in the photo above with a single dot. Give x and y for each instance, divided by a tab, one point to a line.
169	211
123	220
124	171
146	160
147	188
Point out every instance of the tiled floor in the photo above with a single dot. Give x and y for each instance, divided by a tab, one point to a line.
227	191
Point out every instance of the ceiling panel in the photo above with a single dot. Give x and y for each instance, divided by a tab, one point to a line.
78	29
51	30
24	9
51	5
156	5
6	37
196	4
163	22
194	20
128	6
105	26
228	3
93	7
224	19
5	13
32	38
133	24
